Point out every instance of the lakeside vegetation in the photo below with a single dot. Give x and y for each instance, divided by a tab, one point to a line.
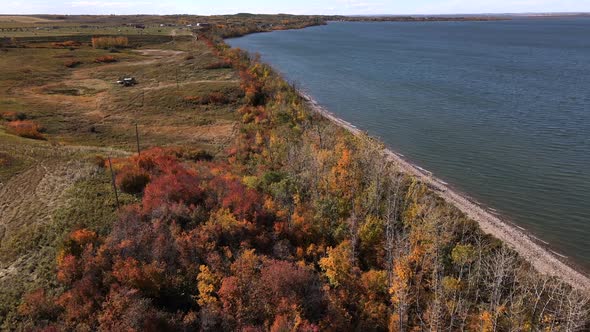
291	223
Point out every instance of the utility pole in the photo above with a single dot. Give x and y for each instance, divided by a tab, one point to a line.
136	129
137	139
113	181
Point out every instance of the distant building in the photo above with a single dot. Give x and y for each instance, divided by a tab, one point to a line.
204	25
136	25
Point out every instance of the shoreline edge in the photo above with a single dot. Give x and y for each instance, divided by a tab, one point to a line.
544	260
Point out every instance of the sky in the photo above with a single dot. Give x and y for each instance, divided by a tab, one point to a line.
325	7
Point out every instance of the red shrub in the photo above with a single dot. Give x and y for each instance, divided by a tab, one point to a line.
217	98
81	303
26	128
9	116
105	59
83	236
36	305
67	44
124	309
232	194
145	277
157	161
182	187
68	269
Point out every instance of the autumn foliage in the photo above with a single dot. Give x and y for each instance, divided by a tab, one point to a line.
67	44
299	226
105	59
25	128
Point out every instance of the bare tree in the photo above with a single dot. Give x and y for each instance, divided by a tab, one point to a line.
500	267
577	311
400	288
392	205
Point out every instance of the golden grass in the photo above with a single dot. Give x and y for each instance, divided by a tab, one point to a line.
107	42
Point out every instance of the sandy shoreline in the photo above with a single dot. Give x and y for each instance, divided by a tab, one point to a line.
543	259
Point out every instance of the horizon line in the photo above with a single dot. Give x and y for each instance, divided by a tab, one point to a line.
344	15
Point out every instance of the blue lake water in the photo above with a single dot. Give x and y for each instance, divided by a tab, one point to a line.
500	110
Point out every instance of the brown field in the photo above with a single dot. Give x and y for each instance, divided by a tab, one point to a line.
23	19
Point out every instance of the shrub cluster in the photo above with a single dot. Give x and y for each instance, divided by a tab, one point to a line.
26	128
67	44
72	63
105	59
219	64
11	116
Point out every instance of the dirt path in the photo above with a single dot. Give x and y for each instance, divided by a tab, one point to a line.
173	84
524	244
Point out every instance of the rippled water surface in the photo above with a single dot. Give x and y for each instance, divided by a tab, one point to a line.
500	110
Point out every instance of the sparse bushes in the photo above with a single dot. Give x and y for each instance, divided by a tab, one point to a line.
72	63
200	155
105	59
7	116
219	64
11	116
98	161
192	99
26	128
216	98
108	42
67	44
211	98
5	159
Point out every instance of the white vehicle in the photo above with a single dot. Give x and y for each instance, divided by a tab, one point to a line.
127	81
